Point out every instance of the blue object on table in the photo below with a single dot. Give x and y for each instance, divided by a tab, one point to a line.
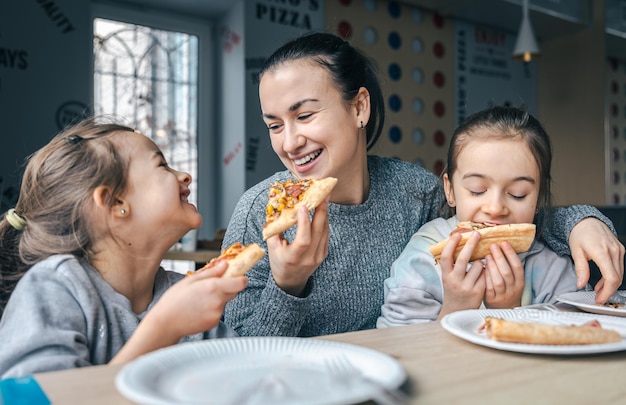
22	390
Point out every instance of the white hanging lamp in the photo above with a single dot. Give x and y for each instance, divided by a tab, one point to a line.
526	47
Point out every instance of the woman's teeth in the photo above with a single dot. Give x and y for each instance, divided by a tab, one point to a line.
306	159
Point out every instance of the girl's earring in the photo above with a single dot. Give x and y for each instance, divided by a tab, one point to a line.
123	211
362	126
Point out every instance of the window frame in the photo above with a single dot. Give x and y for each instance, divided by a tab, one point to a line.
206	138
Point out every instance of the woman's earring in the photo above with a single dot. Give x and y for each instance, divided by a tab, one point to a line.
123	211
362	125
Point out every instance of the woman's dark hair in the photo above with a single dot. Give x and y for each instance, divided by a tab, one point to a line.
502	122
348	66
55	200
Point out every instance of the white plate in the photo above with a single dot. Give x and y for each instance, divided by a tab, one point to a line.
586	301
465	324
217	371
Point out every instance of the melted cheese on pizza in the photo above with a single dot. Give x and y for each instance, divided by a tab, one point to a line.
283	195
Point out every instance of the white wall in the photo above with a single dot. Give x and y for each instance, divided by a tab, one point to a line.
250	32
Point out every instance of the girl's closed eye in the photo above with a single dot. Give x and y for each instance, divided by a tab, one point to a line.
476	192
303	117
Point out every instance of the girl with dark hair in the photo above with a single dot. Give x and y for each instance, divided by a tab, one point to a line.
498	172
323	106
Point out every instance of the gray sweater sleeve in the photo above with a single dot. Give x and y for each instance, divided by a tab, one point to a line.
558	225
63	314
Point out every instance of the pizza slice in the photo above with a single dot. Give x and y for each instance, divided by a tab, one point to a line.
240	259
286	197
544	334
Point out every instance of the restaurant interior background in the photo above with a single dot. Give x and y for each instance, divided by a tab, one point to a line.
439	61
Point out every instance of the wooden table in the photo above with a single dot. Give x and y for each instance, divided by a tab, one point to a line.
441	368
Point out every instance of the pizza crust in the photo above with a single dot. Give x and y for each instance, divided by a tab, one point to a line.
536	333
240	259
520	236
243	262
311	198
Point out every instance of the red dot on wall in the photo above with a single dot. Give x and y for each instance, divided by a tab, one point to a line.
438	49
439	165
439	108
344	29
615	199
438	21
345	2
439	79
440	138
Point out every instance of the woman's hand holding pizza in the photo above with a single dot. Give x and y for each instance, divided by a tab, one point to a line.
462	288
293	263
504	276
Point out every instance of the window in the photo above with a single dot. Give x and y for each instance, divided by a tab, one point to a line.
150	78
147	72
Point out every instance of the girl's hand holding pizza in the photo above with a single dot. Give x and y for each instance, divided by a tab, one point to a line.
504	276
462	288
293	263
196	304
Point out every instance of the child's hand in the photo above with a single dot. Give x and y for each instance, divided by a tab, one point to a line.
196	303
504	274
462	288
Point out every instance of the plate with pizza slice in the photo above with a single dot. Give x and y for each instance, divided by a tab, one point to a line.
586	301
576	329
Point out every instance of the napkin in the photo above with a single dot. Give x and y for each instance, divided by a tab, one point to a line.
22	391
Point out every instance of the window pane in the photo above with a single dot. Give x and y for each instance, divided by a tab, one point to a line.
149	77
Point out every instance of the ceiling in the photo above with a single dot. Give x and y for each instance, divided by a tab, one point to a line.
502	14
197	8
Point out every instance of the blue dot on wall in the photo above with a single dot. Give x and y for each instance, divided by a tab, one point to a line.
417	15
418	75
395	72
370	35
395	134
418	105
394	9
417	45
370	5
394	40
418	136
395	103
